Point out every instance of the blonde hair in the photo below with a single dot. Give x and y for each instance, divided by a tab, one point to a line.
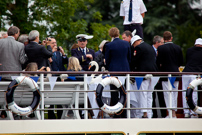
74	64
32	67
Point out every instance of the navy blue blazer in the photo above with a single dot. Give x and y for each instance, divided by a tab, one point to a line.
118	55
38	53
58	62
97	53
84	61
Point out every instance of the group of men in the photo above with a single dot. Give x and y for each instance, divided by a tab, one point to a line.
129	54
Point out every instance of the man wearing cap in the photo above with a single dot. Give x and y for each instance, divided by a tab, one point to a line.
193	64
133	12
143	60
84	54
169	59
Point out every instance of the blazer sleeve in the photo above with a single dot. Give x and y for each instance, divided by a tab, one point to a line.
129	54
107	55
181	59
23	57
159	58
136	58
47	52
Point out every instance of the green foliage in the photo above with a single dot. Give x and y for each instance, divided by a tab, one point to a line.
64	19
100	32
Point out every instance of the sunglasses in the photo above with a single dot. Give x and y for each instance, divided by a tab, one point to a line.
82	40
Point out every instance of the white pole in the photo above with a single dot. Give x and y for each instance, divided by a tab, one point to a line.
170	96
85	97
42	94
128	94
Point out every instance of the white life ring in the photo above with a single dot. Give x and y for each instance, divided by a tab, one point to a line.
10	91
189	92
110	109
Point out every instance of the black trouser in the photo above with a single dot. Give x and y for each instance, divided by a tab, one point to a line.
138	27
161	101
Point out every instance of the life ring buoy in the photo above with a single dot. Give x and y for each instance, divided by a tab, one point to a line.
10	91
110	109
189	99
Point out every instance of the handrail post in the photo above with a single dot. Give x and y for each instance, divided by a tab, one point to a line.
170	95
128	94
42	95
85	97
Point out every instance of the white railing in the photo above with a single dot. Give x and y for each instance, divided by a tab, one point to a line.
79	92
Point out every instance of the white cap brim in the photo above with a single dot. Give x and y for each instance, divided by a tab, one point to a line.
84	36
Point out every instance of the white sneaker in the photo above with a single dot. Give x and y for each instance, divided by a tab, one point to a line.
186	115
194	116
167	117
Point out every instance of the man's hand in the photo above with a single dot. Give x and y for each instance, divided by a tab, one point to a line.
61	50
89	56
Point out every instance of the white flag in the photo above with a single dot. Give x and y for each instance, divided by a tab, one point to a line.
52	81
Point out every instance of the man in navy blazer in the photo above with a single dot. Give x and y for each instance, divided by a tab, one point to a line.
59	58
84	54
117	56
117	53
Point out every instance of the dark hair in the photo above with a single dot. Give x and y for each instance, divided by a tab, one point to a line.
167	35
127	33
13	30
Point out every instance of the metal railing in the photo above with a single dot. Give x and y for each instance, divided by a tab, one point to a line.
85	87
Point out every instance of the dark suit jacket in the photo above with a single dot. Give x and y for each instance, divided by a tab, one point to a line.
84	61
117	55
58	62
193	60
143	58
38	53
97	53
169	57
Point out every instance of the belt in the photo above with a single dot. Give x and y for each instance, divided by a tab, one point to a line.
133	24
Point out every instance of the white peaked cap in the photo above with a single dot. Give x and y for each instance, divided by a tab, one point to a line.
135	38
198	41
84	36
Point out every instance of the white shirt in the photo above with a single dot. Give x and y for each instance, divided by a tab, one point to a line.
154	49
138	8
84	49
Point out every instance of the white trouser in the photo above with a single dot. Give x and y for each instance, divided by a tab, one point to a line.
186	80
145	99
173	94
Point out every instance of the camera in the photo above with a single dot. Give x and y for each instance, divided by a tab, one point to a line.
58	48
48	39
